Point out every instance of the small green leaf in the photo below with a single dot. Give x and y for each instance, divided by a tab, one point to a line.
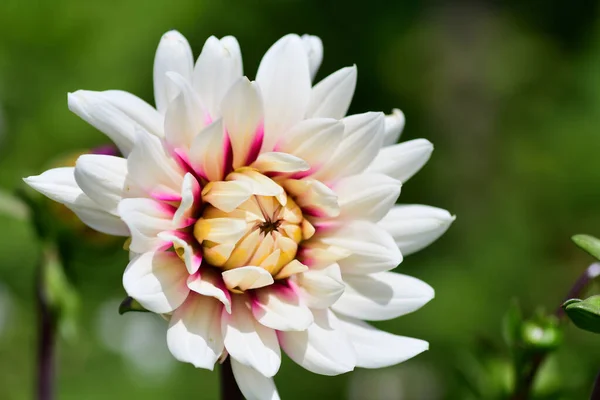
585	314
131	305
589	244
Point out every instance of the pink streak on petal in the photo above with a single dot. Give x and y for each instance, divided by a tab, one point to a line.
165	197
315	212
256	144
227	155
325	226
304	174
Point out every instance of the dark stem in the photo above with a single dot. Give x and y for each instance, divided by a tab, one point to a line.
46	341
525	385
596	391
229	387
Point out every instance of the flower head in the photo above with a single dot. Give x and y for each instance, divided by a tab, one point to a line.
261	217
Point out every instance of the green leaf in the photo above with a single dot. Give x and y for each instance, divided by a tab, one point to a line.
585	314
588	243
131	305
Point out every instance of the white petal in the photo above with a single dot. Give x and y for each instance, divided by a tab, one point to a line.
382	296
331	97
194	333
415	227
314	51
321	287
152	169
373	249
157	281
245	278
226	195
378	349
284	79
314	197
394	124
323	348
243	120
403	160
249	342
116	114
187	248
313	140
208	154
280	308
102	178
252	384
217	68
366	196
146	218
362	140
190	197
173	54
209	283
59	185
185	116
280	162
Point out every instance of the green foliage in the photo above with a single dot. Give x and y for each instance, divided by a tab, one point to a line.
585	314
589	244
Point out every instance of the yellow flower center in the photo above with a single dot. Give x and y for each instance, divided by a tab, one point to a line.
263	231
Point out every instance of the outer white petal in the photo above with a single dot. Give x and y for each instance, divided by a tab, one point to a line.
217	68
117	114
362	140
378	349
242	110
366	196
185	117
190	197
157	281
373	249
152	169
284	80
102	178
173	54
331	97
145	218
415	227
382	296
280	308
313	140
208	154
321	287
194	333
323	348
403	160
394	124
314	50
252	384
59	185
249	342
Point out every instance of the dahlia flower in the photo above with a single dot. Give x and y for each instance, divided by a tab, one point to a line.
260	217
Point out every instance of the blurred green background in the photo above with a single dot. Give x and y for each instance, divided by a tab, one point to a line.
509	93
